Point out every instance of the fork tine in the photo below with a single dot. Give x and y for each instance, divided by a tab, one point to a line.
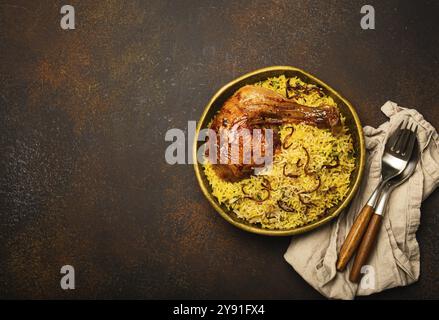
411	143
397	135
404	139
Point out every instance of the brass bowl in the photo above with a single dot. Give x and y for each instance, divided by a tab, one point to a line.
347	110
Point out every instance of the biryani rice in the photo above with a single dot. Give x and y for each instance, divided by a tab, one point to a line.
292	199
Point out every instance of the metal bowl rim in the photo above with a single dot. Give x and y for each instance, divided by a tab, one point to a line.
302	229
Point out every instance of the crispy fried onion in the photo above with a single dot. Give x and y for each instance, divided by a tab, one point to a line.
299	89
317	186
309	173
271	214
299	164
290	175
284	206
266	184
286	144
266	188
307	204
331	166
302	193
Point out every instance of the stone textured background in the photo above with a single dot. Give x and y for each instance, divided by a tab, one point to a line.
83	115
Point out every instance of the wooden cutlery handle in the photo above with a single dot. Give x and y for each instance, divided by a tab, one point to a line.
354	237
365	247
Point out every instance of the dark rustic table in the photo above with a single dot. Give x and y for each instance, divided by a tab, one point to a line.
84	113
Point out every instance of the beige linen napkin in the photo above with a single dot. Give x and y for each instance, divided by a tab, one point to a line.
395	259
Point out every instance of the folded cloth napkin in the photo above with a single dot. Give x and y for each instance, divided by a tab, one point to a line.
395	258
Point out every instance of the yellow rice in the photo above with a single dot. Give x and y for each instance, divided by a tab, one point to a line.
322	147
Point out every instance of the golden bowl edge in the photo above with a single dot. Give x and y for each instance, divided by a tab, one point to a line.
243	225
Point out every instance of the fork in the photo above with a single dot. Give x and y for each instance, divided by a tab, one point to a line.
370	236
397	152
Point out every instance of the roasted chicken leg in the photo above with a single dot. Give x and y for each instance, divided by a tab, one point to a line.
253	107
